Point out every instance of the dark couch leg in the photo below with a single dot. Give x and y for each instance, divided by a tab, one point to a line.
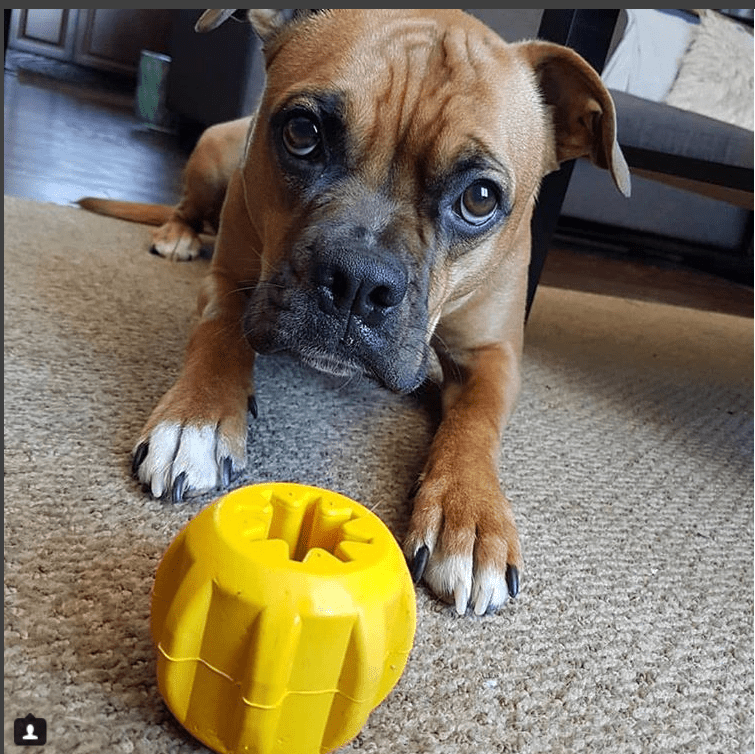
589	33
7	13
543	224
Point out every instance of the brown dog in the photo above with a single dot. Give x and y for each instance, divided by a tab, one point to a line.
376	220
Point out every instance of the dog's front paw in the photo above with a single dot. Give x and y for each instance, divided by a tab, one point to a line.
175	240
175	457
178	460
463	542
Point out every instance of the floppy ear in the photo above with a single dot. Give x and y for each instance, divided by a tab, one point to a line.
212	18
267	22
584	117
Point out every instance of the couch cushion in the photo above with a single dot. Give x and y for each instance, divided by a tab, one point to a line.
663	139
657	127
658	138
654	208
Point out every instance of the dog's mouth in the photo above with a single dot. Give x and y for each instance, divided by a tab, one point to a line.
326	362
346	359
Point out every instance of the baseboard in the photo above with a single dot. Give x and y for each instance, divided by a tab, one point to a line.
622	243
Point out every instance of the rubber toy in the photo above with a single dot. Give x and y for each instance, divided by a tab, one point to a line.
282	615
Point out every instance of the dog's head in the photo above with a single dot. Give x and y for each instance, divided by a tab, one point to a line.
391	175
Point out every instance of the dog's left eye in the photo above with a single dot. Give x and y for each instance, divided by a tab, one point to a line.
478	203
301	136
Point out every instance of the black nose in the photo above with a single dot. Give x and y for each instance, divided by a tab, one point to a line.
366	284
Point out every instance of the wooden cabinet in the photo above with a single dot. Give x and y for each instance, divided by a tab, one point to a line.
48	32
104	38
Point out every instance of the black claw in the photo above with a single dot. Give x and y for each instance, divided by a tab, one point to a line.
252	406
153	250
179	486
512	580
227	471
139	455
419	563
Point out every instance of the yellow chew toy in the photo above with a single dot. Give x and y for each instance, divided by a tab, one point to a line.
282	615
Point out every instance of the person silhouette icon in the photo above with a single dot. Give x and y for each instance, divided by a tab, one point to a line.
30	731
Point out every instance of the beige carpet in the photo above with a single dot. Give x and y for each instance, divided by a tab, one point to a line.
629	461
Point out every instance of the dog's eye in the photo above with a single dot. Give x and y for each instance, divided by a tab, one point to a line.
479	202
301	136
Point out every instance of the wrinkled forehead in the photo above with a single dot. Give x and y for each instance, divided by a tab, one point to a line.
434	81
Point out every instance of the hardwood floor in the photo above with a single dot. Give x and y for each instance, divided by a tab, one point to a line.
63	142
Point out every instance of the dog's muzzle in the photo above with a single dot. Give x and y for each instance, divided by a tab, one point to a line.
344	309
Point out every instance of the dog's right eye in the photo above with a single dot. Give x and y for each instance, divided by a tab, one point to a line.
478	203
301	136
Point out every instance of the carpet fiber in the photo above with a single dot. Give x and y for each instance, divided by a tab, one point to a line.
628	460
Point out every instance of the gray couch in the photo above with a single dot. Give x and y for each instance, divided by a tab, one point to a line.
218	77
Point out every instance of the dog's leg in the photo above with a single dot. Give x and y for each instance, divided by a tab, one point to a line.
462	537
195	439
206	176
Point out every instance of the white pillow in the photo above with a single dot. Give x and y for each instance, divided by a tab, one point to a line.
646	61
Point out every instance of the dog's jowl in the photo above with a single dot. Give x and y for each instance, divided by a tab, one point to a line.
373	217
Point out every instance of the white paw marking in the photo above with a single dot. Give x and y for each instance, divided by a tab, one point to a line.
197	459
489	590
450	577
155	470
197	452
186	246
455	579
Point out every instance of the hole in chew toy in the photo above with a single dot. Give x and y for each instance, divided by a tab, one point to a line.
305	523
